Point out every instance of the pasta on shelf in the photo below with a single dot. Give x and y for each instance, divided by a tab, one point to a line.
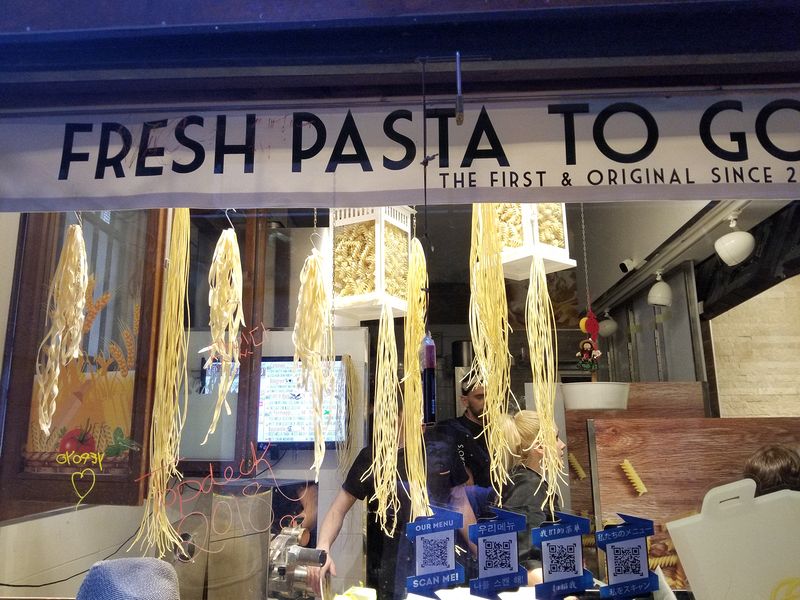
414	333
576	466
633	477
313	344
225	318
489	329
541	327
386	426
171	397
65	314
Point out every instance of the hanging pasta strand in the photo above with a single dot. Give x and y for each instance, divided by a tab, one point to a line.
488	323
414	332
171	398
386	426
346	446
313	345
540	324
65	313
225	318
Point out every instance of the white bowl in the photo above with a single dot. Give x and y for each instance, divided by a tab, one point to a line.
595	395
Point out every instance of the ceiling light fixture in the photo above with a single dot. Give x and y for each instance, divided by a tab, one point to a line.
660	294
608	326
734	247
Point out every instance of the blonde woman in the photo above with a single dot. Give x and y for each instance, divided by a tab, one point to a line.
525	494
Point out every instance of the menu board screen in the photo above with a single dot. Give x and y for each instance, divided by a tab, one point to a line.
285	412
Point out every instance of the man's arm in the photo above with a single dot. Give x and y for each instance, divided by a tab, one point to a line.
329	530
459	501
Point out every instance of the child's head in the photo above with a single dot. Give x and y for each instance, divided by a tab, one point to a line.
773	467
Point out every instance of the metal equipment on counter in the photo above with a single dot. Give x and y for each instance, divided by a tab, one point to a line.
288	564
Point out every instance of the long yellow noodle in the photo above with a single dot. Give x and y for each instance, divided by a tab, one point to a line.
313	344
346	447
541	326
65	305
414	333
225	318
171	392
488	323
386	426
633	477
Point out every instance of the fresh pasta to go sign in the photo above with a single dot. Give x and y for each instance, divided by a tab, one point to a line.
344	155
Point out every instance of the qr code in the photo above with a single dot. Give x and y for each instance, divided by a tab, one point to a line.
562	558
498	555
434	552
627	561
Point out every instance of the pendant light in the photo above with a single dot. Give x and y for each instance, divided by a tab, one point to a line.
734	247
660	294
608	326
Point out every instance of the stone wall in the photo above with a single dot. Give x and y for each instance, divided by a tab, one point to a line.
757	354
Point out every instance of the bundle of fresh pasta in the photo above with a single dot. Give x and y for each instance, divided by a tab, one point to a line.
171	392
313	344
414	332
346	446
225	318
65	312
540	324
488	323
386	426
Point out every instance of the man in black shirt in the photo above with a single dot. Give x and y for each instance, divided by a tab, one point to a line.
446	477
468	437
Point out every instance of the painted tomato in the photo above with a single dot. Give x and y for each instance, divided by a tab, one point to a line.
77	440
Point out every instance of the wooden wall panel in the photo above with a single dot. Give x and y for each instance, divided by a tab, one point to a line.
679	460
656	400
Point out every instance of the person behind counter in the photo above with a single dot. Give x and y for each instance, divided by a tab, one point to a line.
527	491
773	467
446	479
467	433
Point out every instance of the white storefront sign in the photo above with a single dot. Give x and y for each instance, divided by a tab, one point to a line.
738	144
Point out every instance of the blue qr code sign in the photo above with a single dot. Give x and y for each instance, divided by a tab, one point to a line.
561	558
627	561
435	552
498	554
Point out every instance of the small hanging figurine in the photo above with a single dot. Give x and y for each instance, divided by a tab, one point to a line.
588	355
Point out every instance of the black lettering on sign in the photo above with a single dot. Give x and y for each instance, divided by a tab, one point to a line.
737	137
569	111
443	115
145	150
598	131
298	153
404	141
248	149
115	162
67	155
484	126
763	135
187	142
350	132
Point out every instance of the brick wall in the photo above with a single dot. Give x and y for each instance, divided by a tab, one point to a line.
757	354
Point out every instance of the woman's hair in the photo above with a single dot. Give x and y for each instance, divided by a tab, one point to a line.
773	467
512	438
527	425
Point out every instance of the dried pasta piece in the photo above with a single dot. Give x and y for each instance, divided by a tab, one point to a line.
489	329
787	589
576	466
633	477
313	344
668	560
386	426
414	333
225	318
65	313
171	392
541	329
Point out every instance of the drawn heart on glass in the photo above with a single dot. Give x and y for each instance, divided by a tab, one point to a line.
91	478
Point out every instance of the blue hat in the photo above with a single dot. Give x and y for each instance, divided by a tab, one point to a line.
130	579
